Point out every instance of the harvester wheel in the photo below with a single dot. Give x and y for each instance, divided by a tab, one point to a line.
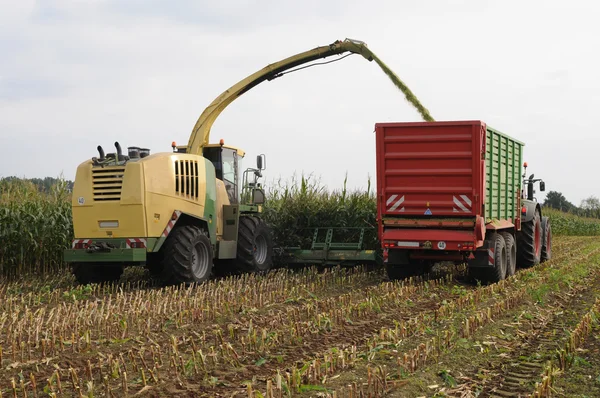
255	246
87	273
188	256
511	254
546	240
529	242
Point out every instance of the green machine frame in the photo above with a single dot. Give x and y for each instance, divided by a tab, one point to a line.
327	252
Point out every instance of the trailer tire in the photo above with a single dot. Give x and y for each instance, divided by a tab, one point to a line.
498	271
86	273
255	246
395	272
188	256
511	254
405	271
546	240
529	242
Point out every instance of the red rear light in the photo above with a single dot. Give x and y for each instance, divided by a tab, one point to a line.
389	243
524	210
467	246
80	245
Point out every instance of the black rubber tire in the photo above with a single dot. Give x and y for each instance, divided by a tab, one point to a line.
527	255
86	273
511	254
255	246
188	256
546	240
498	271
155	263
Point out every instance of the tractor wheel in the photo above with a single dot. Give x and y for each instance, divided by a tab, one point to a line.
529	242
546	240
86	273
498	271
511	254
255	246
188	256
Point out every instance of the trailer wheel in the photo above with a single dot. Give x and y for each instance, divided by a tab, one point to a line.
255	246
529	242
395	272
511	254
188	256
498	271
404	271
546	240
86	273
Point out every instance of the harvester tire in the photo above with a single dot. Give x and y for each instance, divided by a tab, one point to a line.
255	246
498	271
188	256
86	273
546	240
529	242
511	254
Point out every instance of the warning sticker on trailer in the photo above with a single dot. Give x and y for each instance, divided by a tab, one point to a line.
428	212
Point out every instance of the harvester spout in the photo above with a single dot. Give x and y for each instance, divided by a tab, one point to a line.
201	132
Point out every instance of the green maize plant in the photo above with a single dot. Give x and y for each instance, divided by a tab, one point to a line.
35	227
567	224
295	209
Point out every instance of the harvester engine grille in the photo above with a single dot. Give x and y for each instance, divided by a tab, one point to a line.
107	183
186	178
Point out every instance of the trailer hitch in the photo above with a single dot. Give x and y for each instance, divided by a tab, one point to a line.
100	247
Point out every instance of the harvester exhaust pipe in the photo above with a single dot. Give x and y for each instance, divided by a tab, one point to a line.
119	151
101	152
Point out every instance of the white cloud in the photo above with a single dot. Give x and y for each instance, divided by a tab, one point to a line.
78	74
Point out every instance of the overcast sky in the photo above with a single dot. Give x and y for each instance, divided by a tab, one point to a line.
75	74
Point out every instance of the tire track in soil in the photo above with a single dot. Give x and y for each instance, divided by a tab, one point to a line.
314	346
516	376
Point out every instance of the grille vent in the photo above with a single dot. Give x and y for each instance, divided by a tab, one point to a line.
107	183
186	178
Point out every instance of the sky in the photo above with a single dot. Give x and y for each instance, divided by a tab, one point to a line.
77	74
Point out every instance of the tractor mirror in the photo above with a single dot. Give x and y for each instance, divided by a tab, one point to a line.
260	162
542	186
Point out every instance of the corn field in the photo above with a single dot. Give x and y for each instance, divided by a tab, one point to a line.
35	227
341	332
295	208
337	332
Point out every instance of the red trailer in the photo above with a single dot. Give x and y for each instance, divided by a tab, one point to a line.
453	191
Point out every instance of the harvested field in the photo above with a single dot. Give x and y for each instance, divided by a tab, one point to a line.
334	332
